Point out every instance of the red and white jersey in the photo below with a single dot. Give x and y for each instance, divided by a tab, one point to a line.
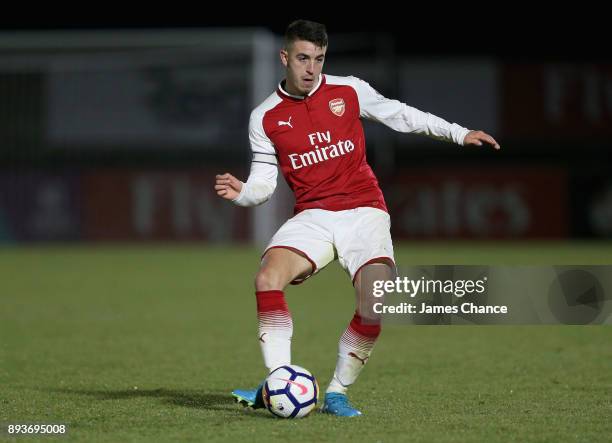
319	144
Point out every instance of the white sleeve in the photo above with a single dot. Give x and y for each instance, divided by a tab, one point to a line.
404	118
264	166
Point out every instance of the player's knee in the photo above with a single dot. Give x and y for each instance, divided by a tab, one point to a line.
268	280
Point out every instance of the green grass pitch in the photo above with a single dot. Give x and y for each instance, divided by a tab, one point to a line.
145	343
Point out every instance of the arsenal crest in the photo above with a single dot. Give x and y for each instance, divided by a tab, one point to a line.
337	106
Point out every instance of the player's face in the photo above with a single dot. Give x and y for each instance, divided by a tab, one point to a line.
303	62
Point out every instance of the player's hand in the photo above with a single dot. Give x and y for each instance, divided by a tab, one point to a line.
227	186
477	138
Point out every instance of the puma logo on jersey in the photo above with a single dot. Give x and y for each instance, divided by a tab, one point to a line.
362	360
287	123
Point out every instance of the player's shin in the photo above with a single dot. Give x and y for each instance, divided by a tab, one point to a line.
275	328
354	350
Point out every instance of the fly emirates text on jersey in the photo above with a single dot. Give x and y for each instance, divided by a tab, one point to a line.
320	154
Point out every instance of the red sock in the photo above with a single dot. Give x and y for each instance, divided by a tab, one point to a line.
354	349
275	328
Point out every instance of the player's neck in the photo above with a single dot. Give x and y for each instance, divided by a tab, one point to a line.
292	90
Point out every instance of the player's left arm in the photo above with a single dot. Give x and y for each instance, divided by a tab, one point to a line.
477	138
403	118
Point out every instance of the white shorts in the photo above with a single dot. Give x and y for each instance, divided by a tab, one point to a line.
355	236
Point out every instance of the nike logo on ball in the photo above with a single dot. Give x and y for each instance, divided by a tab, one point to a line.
303	388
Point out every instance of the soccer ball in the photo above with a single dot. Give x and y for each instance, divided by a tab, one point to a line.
290	391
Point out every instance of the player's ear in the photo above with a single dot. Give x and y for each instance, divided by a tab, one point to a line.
284	56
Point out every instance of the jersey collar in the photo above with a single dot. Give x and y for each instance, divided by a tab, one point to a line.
281	91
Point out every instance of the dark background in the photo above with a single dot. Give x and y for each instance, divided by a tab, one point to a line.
560	170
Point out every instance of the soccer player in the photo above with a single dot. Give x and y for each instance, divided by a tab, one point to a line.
310	128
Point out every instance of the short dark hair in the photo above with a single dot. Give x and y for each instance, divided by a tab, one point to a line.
308	31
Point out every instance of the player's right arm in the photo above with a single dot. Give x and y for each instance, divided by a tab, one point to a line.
261	183
228	186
